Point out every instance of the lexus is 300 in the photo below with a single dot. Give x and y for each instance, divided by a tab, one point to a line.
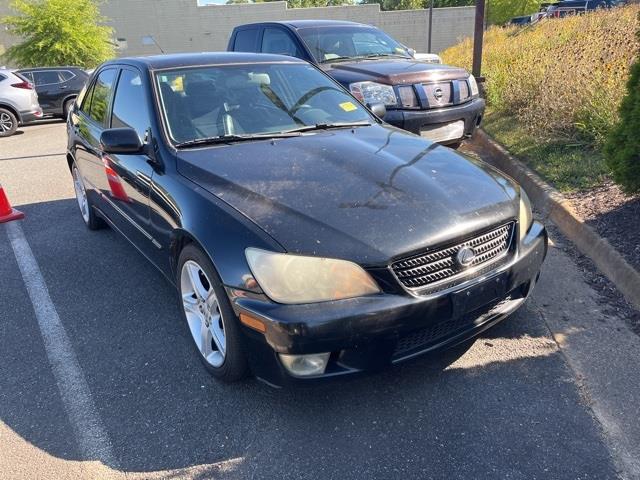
305	237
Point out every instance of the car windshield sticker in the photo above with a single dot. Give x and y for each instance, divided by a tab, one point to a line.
348	106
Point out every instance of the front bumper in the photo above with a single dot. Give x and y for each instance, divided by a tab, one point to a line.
416	120
368	333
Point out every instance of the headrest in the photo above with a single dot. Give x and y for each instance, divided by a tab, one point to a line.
199	88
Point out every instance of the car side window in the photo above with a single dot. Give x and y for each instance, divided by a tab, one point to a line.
27	75
276	40
246	40
65	75
46	77
101	95
130	109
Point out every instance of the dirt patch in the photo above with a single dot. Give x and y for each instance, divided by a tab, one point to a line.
614	215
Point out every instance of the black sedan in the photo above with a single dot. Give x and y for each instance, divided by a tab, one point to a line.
305	237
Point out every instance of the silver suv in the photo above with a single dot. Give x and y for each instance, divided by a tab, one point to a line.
18	102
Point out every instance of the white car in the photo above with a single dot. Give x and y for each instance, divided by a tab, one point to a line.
18	102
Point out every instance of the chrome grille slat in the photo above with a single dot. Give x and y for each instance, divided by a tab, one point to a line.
438	269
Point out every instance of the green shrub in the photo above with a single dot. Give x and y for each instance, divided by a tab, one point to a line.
622	150
561	79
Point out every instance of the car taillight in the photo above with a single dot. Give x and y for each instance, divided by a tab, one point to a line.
23	85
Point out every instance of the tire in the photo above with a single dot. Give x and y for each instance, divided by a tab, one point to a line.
66	108
8	123
207	312
89	216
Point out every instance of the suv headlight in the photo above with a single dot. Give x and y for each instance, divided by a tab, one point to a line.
372	92
473	86
296	279
526	216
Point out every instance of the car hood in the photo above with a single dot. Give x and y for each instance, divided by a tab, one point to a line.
393	71
369	194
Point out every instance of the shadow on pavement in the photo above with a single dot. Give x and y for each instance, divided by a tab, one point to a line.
436	417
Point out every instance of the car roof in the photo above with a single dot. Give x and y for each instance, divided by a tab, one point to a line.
312	23
177	60
44	69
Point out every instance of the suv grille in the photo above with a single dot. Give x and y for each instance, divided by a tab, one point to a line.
445	94
440	269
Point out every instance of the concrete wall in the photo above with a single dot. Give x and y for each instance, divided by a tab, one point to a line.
182	25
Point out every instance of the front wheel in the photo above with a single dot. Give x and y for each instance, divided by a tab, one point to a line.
209	316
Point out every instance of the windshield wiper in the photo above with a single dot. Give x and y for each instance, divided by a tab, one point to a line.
327	126
374	55
229	138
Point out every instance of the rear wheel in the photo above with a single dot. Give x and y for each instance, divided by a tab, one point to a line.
66	108
209	316
91	220
8	123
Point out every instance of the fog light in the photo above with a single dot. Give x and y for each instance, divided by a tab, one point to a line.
305	365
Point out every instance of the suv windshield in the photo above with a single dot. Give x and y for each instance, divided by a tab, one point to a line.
249	101
332	43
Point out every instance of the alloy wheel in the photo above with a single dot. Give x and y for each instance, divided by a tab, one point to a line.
203	313
6	122
81	195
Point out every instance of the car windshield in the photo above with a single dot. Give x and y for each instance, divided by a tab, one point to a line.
248	101
344	42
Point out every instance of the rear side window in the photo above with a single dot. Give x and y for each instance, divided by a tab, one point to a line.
276	40
47	77
2	77
246	40
100	96
65	75
27	75
130	107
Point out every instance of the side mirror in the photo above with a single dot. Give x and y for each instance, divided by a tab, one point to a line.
411	52
378	109
121	140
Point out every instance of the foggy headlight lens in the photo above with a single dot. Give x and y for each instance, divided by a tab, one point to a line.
305	365
296	279
372	92
526	216
473	86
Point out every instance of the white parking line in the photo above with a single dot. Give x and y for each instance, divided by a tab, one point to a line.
90	434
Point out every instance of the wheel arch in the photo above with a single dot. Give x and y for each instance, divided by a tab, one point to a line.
13	110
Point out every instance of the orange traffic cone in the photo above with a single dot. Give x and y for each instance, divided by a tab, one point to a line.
6	212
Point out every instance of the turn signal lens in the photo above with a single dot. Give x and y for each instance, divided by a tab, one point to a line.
296	279
473	86
305	365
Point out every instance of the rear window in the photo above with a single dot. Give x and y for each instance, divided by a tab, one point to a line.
246	40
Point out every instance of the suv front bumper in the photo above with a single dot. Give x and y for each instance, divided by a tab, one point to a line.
367	333
416	121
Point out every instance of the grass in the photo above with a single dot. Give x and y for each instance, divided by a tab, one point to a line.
567	166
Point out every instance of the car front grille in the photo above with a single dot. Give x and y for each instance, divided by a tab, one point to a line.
439	269
445	94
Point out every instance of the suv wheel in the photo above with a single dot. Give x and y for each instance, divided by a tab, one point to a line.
8	123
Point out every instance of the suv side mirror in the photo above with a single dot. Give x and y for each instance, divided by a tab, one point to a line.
378	109
411	52
121	140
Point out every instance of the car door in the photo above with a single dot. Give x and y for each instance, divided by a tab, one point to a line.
48	85
88	123
130	175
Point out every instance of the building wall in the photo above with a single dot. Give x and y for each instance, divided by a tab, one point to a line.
182	25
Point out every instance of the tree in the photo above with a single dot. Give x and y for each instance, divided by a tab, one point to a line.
501	11
58	32
622	150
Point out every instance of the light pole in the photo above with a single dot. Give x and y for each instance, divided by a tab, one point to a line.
478	34
430	26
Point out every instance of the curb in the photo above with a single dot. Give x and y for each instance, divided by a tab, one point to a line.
560	211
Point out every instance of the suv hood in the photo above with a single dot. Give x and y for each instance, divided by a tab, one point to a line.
368	195
395	71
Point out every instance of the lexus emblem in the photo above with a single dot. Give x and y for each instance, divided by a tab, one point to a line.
465	256
437	93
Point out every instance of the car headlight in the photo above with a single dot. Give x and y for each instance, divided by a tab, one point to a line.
372	92
473	86
526	216
296	279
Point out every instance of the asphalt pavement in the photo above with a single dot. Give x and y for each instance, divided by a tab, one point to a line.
93	353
